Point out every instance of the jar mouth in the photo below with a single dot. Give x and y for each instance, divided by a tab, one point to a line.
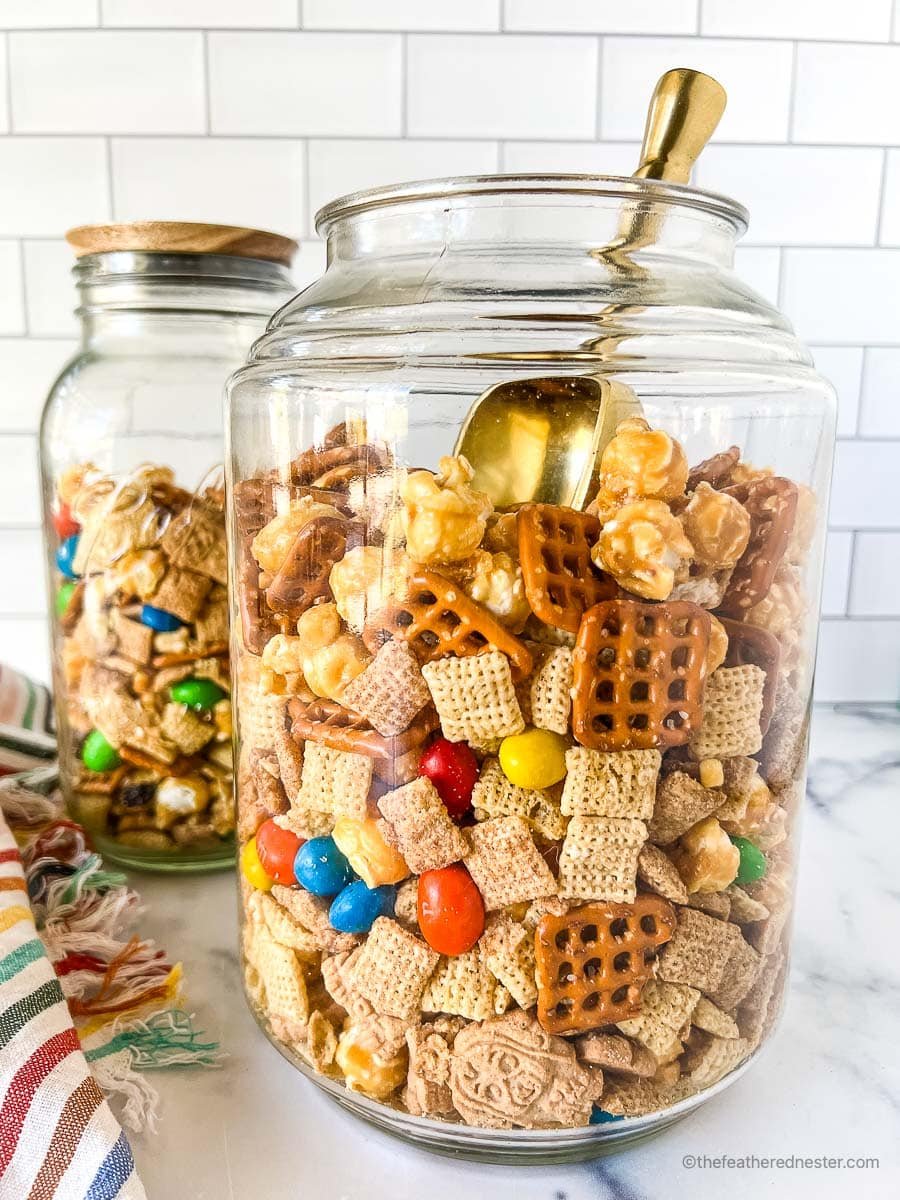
158	266
616	187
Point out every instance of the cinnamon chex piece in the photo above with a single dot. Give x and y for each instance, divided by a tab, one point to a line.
505	863
418	824
681	801
698	952
135	640
772	504
392	969
390	691
599	856
751	646
616	1054
561	580
619	784
732	708
182	593
639	675
437	618
657	872
289	754
195	540
593	962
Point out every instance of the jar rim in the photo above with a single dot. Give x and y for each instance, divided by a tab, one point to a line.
621	187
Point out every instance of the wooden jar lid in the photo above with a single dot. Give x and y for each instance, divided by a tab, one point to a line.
182	237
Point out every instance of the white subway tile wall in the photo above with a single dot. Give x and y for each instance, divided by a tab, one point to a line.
259	113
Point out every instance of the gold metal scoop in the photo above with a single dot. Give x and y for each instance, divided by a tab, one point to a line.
541	439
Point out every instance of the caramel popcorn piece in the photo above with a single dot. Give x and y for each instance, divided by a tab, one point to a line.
505	863
444	518
272	543
644	548
706	858
639	462
717	526
418	824
364	579
495	580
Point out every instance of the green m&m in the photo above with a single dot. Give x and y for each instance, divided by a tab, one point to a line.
63	596
198	694
97	754
753	861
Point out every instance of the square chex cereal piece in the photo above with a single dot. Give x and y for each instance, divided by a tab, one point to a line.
495	796
698	951
550	689
418	824
599	858
390	691
732	707
510	955
659	873
505	863
475	697
392	969
739	975
665	1010
463	986
183	727
610	784
182	593
334	781
681	801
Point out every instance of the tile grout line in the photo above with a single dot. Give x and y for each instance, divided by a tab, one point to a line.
308	214
879	222
26	321
404	85
7	55
851	570
792	95
598	114
207	86
110	186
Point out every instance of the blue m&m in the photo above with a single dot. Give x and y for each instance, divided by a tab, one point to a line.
321	868
599	1116
357	907
65	556
159	619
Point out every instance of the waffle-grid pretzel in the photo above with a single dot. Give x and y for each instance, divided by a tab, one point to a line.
639	674
316	719
437	618
593	961
772	504
561	581
750	646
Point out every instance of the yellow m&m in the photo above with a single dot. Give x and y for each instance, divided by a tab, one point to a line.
373	860
534	759
252	869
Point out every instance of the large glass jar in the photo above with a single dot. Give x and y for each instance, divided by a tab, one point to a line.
524	674
132	482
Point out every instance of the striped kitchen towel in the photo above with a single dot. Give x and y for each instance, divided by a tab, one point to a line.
59	1139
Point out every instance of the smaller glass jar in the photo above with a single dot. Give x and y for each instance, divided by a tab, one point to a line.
133	501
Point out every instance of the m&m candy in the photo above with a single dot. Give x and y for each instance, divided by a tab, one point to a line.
450	909
198	694
453	769
97	754
599	1116
753	862
63	521
159	619
533	759
63	596
357	907
277	848
252	869
65	557
321	868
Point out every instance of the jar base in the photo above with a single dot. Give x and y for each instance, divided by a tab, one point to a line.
185	863
503	1147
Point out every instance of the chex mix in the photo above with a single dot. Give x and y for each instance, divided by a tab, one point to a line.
516	788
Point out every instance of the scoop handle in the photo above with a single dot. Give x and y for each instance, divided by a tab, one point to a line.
685	109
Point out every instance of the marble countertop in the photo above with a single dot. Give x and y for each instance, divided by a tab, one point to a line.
827	1085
